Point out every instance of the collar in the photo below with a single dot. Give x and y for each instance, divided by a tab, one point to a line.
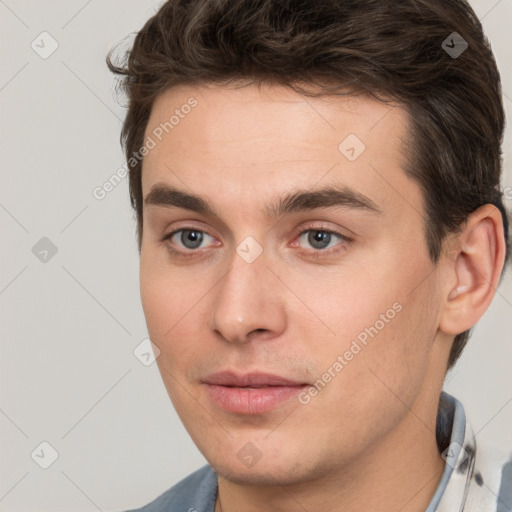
460	456
473	479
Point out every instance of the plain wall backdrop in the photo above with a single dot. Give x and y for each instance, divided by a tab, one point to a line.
70	307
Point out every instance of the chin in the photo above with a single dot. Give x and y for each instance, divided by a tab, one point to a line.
270	472
248	477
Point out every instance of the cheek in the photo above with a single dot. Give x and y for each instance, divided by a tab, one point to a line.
173	306
163	290
382	367
162	301
381	324
154	298
395	361
354	307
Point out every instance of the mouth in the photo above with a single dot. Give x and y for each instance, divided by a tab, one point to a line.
252	393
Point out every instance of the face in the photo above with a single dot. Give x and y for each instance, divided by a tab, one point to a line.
285	277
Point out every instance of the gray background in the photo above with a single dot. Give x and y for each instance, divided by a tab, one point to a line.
70	324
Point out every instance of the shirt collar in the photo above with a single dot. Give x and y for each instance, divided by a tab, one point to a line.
459	456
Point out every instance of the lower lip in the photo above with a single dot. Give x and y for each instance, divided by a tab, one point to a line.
251	400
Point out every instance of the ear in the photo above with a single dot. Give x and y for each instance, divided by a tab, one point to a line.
476	262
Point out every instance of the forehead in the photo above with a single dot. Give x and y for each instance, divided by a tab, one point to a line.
242	143
269	113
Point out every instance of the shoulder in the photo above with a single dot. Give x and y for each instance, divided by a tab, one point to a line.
195	493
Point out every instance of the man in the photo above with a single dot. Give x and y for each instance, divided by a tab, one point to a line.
317	189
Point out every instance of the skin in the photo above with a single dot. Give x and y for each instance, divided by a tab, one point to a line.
369	435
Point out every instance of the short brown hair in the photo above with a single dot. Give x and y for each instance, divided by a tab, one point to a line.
392	50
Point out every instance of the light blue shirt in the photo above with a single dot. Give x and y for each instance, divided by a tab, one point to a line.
468	484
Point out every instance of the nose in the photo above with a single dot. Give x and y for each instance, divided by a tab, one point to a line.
249	303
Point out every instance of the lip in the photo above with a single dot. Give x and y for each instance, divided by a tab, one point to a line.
251	393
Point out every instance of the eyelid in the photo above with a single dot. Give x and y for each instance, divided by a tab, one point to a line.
323	226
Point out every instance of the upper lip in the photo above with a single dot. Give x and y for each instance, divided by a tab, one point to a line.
254	379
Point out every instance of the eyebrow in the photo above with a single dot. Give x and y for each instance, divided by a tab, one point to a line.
297	201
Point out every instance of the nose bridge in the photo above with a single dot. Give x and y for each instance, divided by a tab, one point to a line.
247	298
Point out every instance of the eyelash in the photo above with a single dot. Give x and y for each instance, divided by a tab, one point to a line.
313	253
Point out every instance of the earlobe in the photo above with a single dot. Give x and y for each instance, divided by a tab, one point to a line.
477	266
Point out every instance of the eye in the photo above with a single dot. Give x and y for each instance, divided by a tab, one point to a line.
322	239
190	238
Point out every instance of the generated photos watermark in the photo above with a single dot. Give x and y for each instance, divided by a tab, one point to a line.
101	191
356	346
